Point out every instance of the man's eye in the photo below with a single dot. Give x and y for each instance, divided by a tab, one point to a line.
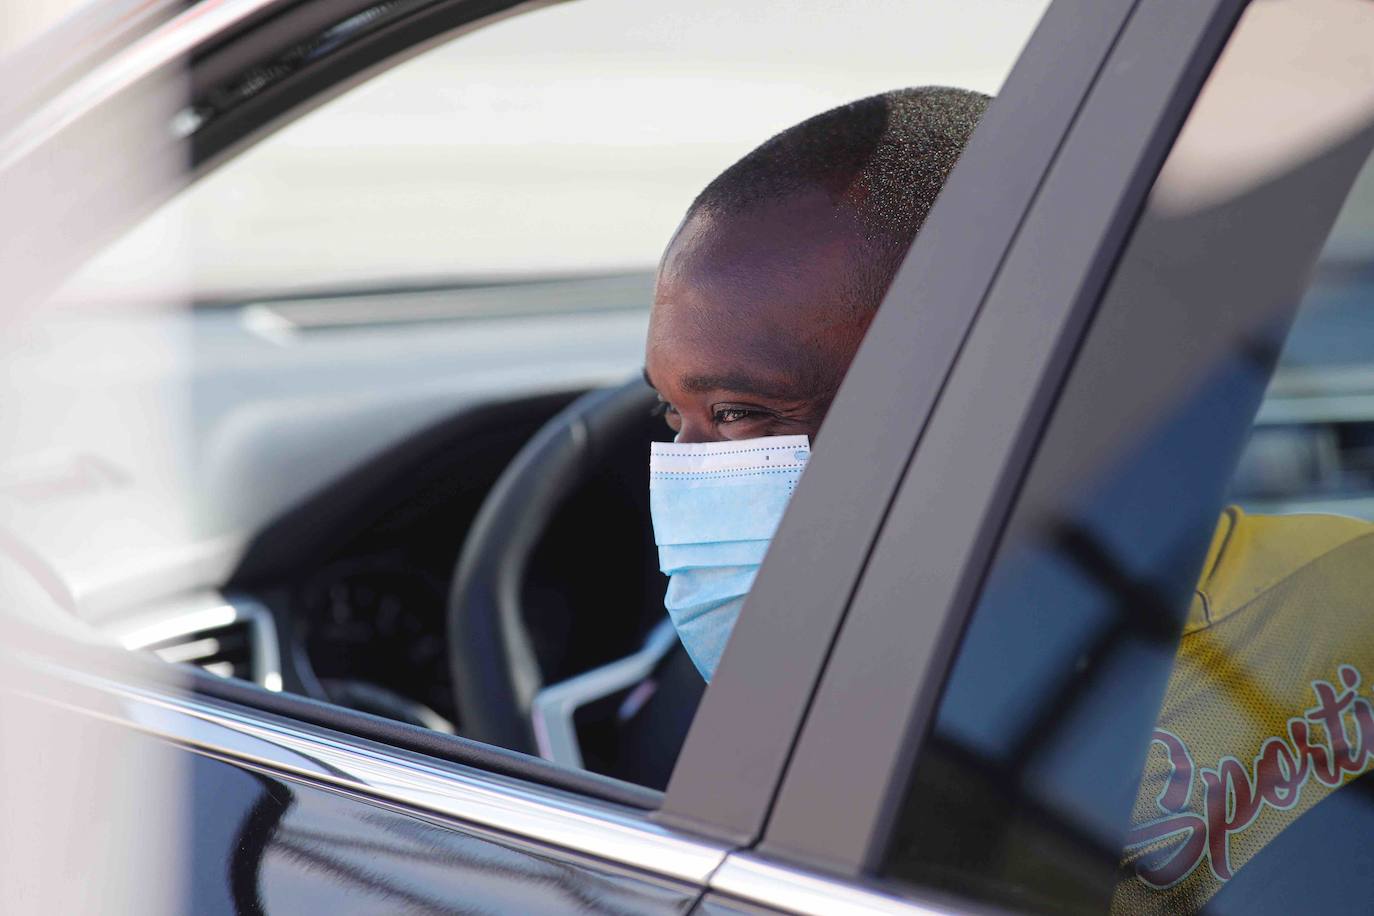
733	414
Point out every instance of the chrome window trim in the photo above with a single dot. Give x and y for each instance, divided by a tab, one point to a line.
502	804
552	709
752	878
207	611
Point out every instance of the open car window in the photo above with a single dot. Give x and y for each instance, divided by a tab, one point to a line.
1161	700
284	397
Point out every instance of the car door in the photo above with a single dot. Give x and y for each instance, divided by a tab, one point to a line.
214	794
128	792
990	702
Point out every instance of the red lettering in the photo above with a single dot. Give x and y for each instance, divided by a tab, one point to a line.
1313	755
1364	732
1350	676
1174	863
1231	804
1178	788
1233	796
1278	777
1330	712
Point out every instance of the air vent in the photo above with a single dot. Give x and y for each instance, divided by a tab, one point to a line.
227	638
226	651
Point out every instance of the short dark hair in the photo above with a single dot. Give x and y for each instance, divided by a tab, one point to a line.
884	157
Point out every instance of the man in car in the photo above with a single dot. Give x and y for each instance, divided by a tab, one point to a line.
763	297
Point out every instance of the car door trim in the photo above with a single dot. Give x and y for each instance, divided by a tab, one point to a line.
505	805
752	878
454	792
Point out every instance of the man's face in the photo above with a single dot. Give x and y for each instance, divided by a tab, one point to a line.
755	320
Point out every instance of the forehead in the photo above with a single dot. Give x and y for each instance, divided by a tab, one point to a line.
783	266
798	247
768	289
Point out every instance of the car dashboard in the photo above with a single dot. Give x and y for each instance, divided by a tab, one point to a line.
292	507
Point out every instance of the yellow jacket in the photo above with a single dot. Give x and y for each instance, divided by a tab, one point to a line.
1268	709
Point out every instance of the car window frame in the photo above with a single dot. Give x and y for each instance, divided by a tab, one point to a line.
952	565
732	763
1057	270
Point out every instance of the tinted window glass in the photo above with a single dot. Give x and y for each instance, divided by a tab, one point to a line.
1166	680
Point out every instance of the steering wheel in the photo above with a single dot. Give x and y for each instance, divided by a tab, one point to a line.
495	670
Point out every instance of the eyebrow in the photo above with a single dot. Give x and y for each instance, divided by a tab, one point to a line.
736	382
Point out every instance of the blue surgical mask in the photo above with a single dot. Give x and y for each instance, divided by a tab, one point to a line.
715	507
